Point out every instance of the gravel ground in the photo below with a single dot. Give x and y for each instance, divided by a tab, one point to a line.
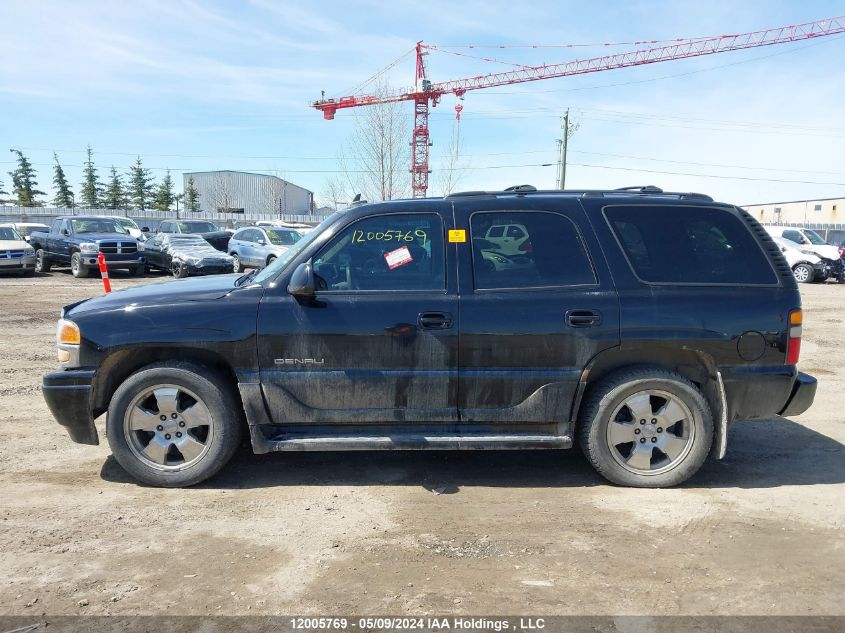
760	533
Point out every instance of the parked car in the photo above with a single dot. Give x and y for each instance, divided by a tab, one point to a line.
510	239
810	241
183	254
211	233
76	240
259	246
16	256
647	323
806	266
131	227
24	229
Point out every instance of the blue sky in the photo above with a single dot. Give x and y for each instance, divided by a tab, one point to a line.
197	85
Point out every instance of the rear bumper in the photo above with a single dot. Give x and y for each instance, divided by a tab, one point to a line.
803	394
68	394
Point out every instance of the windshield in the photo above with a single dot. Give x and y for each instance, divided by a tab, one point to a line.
126	223
283	237
27	230
281	262
197	227
814	237
97	225
8	233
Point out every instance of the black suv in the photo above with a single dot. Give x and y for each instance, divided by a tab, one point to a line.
638	323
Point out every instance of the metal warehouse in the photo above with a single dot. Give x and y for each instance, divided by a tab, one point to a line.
248	193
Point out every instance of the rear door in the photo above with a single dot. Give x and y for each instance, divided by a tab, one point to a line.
532	318
378	343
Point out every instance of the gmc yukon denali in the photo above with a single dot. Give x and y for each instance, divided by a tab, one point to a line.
637	323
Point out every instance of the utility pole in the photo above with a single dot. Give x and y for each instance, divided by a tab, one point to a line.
562	146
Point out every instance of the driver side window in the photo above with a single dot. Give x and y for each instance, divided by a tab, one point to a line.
386	252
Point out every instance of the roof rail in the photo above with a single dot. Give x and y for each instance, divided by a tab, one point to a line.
641	189
648	190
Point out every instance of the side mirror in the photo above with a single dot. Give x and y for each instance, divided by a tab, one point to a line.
302	282
145	229
65	232
261	242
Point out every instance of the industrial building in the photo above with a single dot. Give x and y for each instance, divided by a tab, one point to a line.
821	211
247	193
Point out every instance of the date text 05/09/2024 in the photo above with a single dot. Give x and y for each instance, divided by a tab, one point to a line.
417	624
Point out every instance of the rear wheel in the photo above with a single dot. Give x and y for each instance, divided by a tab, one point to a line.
804	273
179	270
237	267
646	428
173	424
42	263
77	268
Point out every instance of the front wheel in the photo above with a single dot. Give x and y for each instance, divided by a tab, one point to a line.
236	263
646	428
271	259
173	425
77	268
179	270
804	273
139	271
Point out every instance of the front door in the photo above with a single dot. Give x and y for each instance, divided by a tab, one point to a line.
378	343
532	317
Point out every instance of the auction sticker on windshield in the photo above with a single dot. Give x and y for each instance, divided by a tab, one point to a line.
399	257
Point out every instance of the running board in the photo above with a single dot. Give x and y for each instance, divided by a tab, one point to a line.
418	442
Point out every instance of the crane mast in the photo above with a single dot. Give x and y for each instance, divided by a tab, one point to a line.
425	94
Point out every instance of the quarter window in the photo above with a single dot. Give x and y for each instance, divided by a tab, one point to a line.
538	249
386	252
700	245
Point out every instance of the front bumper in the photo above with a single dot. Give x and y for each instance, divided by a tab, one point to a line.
17	264
803	394
91	261
68	394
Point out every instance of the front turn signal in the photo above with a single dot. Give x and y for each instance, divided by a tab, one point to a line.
67	333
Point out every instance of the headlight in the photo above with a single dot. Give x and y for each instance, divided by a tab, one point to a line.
140	246
67	333
28	251
88	247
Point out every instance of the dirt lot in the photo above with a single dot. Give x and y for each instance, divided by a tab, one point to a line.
391	533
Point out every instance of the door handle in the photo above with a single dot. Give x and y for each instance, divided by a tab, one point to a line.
583	318
434	320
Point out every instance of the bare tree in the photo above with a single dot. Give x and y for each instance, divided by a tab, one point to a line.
334	193
275	192
376	160
222	194
454	166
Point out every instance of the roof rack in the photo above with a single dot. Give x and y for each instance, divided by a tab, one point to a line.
647	190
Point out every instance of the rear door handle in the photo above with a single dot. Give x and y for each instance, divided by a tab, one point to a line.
583	318
435	320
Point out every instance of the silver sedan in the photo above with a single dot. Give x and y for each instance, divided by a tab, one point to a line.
257	246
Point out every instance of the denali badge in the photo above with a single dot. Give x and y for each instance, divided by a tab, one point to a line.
299	361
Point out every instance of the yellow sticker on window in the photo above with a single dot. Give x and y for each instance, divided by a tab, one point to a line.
457	235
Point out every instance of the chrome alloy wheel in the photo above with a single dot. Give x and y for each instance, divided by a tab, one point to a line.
650	432
168	427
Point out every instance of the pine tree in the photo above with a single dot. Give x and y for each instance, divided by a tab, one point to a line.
164	194
90	191
140	188
114	196
64	196
24	183
192	196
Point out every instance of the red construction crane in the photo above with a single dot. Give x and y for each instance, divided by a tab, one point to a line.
425	93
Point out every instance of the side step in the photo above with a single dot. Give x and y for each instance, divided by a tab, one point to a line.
418	442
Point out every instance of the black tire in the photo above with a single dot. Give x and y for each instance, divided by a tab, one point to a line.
804	273
77	268
42	262
608	399
139	271
225	413
270	260
180	271
236	266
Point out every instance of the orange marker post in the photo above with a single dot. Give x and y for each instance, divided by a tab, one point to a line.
104	272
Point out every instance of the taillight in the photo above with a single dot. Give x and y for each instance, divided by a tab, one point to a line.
793	340
526	247
841	252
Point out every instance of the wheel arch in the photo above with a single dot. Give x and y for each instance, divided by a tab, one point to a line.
695	365
121	364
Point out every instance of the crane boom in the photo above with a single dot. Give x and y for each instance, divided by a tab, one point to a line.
425	93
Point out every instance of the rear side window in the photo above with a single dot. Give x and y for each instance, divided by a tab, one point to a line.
689	245
538	249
